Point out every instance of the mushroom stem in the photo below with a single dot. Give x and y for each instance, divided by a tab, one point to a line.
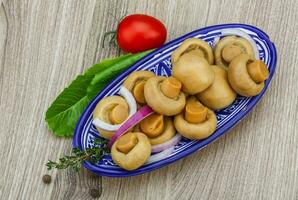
118	114
171	87
230	51
258	71
153	125
127	142
138	92
195	112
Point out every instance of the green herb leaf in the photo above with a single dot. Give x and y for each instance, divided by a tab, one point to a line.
105	64
93	155
64	113
101	79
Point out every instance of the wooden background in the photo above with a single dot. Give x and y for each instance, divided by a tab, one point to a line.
44	44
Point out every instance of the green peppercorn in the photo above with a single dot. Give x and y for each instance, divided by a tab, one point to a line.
46	179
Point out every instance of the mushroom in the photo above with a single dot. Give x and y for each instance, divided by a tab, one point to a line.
220	94
158	128
135	83
131	150
229	47
164	95
112	110
197	122
196	47
247	75
194	72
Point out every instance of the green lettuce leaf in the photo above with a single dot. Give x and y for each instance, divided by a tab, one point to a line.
64	113
105	64
101	79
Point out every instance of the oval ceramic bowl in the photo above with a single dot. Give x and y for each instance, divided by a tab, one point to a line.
159	62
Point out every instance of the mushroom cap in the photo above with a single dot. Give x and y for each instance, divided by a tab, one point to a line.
134	80
220	94
194	44
240	79
168	132
136	157
243	44
103	110
158	101
194	73
196	131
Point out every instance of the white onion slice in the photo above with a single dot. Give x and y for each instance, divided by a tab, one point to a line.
230	31
105	126
170	143
132	104
160	156
141	114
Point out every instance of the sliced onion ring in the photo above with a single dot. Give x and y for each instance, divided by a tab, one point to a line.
230	31
141	114
132	104
105	126
170	143
161	155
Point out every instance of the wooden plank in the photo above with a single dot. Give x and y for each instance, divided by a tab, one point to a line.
44	44
3	33
45	50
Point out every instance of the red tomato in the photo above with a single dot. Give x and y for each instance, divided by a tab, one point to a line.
139	32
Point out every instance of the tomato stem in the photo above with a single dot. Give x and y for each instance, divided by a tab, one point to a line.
112	40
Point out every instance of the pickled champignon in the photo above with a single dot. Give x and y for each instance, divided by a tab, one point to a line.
229	47
220	94
196	47
112	110
164	95
158	128
194	73
197	122
247	76
131	150
135	83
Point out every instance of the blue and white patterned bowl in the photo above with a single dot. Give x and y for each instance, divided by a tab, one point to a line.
159	62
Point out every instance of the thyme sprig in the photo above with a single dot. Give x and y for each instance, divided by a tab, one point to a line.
93	155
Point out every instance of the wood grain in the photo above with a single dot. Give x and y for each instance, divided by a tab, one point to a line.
45	44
